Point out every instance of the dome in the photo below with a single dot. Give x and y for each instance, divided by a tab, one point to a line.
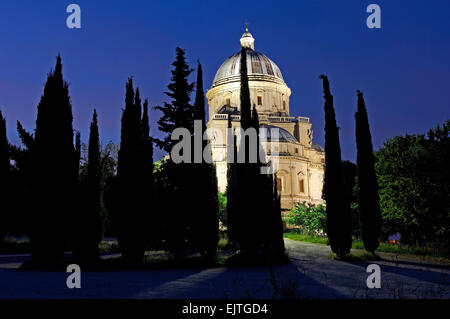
284	136
259	67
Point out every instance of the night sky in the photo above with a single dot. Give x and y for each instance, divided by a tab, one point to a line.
403	68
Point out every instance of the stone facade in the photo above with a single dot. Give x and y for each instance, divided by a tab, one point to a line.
301	161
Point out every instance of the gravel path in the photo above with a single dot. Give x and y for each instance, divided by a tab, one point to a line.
312	274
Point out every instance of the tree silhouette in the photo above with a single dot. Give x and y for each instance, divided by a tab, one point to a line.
369	200
129	213
53	157
179	112
152	219
232	186
5	174
339	229
88	234
204	211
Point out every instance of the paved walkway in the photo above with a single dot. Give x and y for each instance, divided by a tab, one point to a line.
312	274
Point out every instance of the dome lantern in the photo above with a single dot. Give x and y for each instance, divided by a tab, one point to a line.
247	40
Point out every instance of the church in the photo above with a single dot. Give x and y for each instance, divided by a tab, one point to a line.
300	160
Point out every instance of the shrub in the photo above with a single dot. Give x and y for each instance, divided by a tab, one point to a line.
309	217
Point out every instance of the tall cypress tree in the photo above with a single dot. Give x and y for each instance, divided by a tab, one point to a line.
246	118
246	221
5	174
232	187
204	220
77	154
199	103
151	217
129	215
54	157
368	201
337	205
86	243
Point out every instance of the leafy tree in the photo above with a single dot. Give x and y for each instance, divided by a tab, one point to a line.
413	187
339	229
368	201
54	158
108	169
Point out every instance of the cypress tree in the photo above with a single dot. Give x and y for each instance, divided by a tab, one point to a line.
86	244
129	213
199	103
5	166
247	206
53	171
337	205
368	200
232	187
246	119
205	223
77	154
151	217
5	174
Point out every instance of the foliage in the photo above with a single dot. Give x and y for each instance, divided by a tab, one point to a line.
54	162
85	247
368	198
349	171
309	217
129	197
222	201
413	175
5	174
253	203
179	112
339	228
203	224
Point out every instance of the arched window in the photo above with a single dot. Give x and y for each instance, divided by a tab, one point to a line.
284	105
259	100
302	186
228	102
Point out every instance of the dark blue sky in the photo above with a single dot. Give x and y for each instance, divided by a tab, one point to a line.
402	68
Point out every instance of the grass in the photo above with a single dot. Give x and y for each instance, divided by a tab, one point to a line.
358	244
306	238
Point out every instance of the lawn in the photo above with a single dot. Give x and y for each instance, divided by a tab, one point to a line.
358	244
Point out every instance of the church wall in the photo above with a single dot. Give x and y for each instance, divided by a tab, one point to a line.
272	95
